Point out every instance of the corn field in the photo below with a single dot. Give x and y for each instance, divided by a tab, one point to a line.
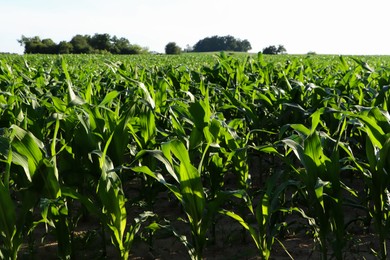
207	151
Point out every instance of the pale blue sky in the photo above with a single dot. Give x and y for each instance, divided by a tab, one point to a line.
328	27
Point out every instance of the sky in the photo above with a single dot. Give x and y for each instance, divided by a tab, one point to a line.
347	27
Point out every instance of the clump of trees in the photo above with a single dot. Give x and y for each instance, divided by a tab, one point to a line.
222	43
172	48
274	50
98	43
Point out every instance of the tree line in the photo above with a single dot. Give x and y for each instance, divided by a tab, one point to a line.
98	43
104	43
222	43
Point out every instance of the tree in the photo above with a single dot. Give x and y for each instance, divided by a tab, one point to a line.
31	45
245	45
48	47
80	44
136	49
123	46
100	42
172	48
281	49
36	45
270	50
65	47
274	50
222	43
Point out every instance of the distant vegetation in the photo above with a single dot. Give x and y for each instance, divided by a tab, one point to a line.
222	43
172	48
274	50
98	43
105	43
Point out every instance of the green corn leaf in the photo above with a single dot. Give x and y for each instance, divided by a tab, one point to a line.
26	150
243	223
50	178
59	104
265	98
86	201
148	125
313	149
384	155
109	97
73	99
176	124
191	191
296	147
174	189
374	131
301	129
199	115
343	65
319	191
113	200
190	182
162	158
316	119
371	153
7	216
88	93
267	149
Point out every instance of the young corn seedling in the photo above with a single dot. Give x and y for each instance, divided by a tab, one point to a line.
267	226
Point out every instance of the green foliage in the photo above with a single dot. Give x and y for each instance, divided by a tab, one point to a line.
274	50
98	43
77	133
172	48
222	43
189	190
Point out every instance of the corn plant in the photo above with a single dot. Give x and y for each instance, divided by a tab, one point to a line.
188	190
26	150
376	125
114	215
321	184
267	225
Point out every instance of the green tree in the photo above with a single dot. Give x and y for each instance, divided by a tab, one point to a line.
222	43
245	45
272	49
101	42
120	46
80	44
172	48
48	46
281	49
31	45
137	49
65	47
